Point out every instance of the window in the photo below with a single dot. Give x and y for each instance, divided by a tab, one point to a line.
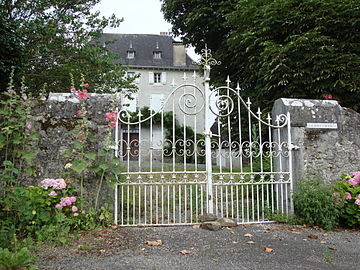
157	77
156	102
130	54
157	55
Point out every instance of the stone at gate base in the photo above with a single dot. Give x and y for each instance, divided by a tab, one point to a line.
212	223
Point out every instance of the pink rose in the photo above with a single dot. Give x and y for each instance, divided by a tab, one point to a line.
82	95
73	90
86	85
328	97
79	112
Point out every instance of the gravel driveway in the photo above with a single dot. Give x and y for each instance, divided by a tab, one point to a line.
265	246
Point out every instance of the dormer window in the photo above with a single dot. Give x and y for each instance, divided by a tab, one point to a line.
130	55
157	55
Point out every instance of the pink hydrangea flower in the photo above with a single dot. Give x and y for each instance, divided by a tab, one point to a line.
356	176
353	181
74	208
24	96
76	214
83	212
53	183
52	193
357	202
348	196
72	199
58	206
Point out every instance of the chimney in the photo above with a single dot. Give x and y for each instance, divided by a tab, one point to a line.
179	54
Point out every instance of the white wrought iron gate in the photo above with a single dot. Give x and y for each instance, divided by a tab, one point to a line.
181	164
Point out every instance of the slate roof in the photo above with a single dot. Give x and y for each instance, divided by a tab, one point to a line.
144	45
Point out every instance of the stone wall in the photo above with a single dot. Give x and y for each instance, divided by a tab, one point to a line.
327	136
54	120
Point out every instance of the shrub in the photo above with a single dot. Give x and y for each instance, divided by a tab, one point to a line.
16	260
41	212
347	190
315	205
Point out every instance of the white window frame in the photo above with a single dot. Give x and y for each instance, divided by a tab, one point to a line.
157	77
130	55
157	55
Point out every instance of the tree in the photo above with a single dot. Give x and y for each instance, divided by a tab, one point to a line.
47	40
283	48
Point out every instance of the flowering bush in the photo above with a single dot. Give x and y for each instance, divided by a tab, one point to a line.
111	118
82	159
17	135
347	192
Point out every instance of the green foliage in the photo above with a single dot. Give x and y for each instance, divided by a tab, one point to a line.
281	217
347	191
315	205
46	40
274	49
16	260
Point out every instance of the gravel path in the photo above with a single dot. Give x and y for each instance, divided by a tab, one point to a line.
266	246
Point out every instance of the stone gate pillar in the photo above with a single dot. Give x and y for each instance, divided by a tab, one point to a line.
328	137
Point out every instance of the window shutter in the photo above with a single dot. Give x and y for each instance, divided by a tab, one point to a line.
151	77
163	77
137	80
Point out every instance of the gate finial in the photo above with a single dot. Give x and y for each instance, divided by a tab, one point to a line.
207	58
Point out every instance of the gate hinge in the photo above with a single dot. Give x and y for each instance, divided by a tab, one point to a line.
293	147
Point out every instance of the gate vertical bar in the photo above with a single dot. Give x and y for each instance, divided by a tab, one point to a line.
116	149
209	187
290	146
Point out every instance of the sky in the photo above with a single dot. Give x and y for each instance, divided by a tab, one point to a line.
140	17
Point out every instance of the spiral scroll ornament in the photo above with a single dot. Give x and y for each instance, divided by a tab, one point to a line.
189	103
